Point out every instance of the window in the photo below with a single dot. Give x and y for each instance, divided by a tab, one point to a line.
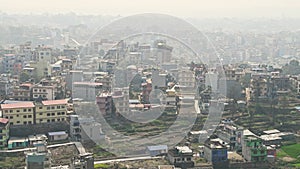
58	119
29	109
53	120
24	116
62	107
62	113
41	113
11	123
35	90
18	121
11	111
48	120
58	113
63	119
11	117
29	122
53	114
24	122
44	90
48	114
29	116
24	110
18	111
58	107
6	111
48	108
52	107
40	107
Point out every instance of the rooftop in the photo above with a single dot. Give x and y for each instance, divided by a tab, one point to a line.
54	102
183	149
3	120
271	131
57	133
159	147
17	105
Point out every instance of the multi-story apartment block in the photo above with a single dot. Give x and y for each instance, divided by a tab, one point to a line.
186	78
252	148
215	152
19	113
22	92
43	92
4	132
120	98
51	111
104	102
231	134
86	90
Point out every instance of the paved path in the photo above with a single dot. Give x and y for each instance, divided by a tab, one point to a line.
127	159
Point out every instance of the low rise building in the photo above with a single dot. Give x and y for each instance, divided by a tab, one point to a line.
39	158
157	150
16	142
57	136
181	156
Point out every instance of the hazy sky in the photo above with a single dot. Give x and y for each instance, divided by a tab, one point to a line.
181	8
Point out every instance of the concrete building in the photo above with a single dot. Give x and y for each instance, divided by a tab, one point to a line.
120	98
157	150
211	79
181	156
83	161
86	90
216	153
51	111
19	113
4	132
231	134
22	92
43	92
158	80
104	102
57	136
252	147
40	158
15	142
186	77
75	131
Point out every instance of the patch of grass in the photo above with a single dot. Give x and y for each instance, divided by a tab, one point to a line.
101	166
281	154
297	165
292	150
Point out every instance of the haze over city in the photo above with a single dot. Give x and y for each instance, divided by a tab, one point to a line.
180	8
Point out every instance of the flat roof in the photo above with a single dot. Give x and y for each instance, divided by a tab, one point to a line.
158	147
271	131
184	149
17	105
17	139
57	133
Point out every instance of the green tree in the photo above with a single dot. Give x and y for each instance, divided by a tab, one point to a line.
24	77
